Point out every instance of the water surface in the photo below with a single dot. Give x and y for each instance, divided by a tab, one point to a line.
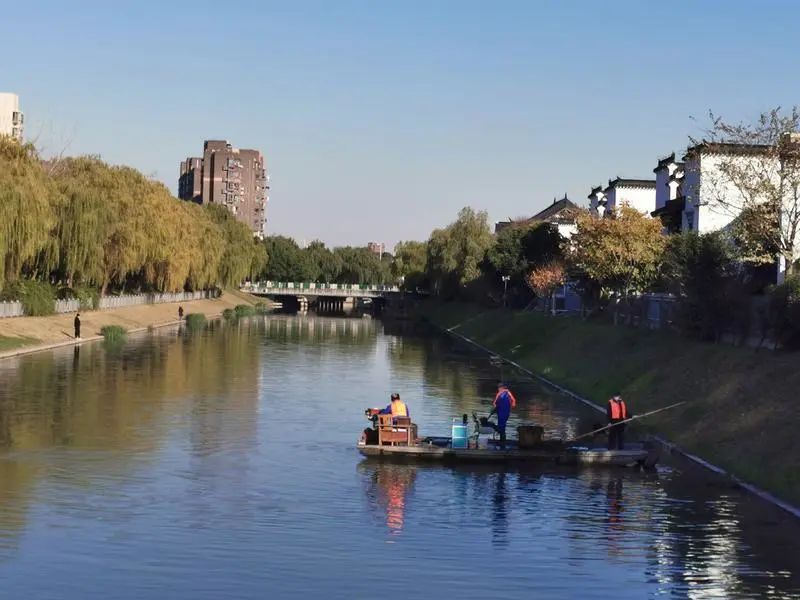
222	465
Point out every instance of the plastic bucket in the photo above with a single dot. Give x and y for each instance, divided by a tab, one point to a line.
459	434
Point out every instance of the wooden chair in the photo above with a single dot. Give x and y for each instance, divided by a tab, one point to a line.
394	431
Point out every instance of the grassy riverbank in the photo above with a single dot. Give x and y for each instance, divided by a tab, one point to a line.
30	333
743	409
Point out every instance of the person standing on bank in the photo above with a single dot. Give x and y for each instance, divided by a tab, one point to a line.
77	324
616	413
180	313
503	402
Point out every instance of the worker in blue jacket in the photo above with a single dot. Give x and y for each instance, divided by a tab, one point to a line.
502	404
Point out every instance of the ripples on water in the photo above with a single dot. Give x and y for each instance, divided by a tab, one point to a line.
222	466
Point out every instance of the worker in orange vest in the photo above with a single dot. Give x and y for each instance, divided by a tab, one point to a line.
397	408
502	404
617	412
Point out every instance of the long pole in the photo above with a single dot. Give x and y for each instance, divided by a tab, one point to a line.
633	418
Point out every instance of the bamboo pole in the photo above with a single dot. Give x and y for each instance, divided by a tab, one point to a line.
633	418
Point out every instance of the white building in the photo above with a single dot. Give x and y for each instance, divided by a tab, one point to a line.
11	119
636	193
670	201
695	195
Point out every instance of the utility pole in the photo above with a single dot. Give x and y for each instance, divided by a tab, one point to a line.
505	279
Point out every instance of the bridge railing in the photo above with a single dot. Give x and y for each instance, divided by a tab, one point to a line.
291	286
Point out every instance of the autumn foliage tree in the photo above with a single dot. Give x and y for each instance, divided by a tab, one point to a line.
622	252
546	279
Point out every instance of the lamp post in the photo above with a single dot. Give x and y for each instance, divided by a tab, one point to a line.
505	279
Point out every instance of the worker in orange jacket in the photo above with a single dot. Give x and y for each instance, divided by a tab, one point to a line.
502	404
617	412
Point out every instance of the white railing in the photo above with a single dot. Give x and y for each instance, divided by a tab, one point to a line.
14	309
334	289
122	301
11	309
68	305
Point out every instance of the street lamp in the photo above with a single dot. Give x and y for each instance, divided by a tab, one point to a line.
505	279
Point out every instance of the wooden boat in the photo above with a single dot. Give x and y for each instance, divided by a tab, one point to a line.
396	438
437	450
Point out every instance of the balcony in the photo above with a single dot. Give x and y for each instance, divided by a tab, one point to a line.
17	118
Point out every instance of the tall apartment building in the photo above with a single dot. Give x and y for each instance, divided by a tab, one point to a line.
377	248
234	178
11	119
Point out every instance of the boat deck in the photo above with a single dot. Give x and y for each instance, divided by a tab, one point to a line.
568	456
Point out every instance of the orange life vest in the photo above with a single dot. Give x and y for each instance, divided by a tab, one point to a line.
511	398
399	408
619	412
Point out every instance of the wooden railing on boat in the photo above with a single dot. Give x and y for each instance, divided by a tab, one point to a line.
394	431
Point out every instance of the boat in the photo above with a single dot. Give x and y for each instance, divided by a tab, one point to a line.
432	449
396	438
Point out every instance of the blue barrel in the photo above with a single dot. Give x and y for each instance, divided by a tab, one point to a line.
459	434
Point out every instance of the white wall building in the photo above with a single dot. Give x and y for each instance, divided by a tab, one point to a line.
695	195
636	193
11	119
712	201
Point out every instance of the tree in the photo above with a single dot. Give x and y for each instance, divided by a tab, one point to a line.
544	280
360	265
542	244
26	211
456	252
621	252
326	264
703	271
243	255
410	260
759	161
286	261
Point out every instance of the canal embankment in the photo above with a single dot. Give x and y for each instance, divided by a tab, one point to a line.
741	411
23	335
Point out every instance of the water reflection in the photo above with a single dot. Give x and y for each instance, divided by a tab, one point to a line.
222	465
388	487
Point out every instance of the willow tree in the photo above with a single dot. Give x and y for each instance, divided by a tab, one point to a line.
207	244
456	252
26	214
243	254
84	212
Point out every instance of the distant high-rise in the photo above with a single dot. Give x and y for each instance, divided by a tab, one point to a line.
377	248
11	119
234	178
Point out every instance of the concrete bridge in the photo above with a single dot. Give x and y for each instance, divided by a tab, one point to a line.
326	290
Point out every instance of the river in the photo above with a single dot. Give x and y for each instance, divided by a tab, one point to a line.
221	464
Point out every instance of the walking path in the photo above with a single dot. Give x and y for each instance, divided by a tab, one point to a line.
56	330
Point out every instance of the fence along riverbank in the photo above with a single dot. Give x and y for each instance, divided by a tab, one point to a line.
70	305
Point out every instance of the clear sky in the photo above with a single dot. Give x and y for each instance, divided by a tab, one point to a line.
380	120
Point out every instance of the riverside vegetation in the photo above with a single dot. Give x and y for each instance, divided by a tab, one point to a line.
740	411
78	227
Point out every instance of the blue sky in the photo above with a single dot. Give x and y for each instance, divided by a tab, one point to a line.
380	120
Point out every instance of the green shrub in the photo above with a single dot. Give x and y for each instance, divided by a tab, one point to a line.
88	297
261	308
229	314
784	311
113	334
244	310
195	321
38	298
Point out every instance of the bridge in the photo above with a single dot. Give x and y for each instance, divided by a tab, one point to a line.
327	290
